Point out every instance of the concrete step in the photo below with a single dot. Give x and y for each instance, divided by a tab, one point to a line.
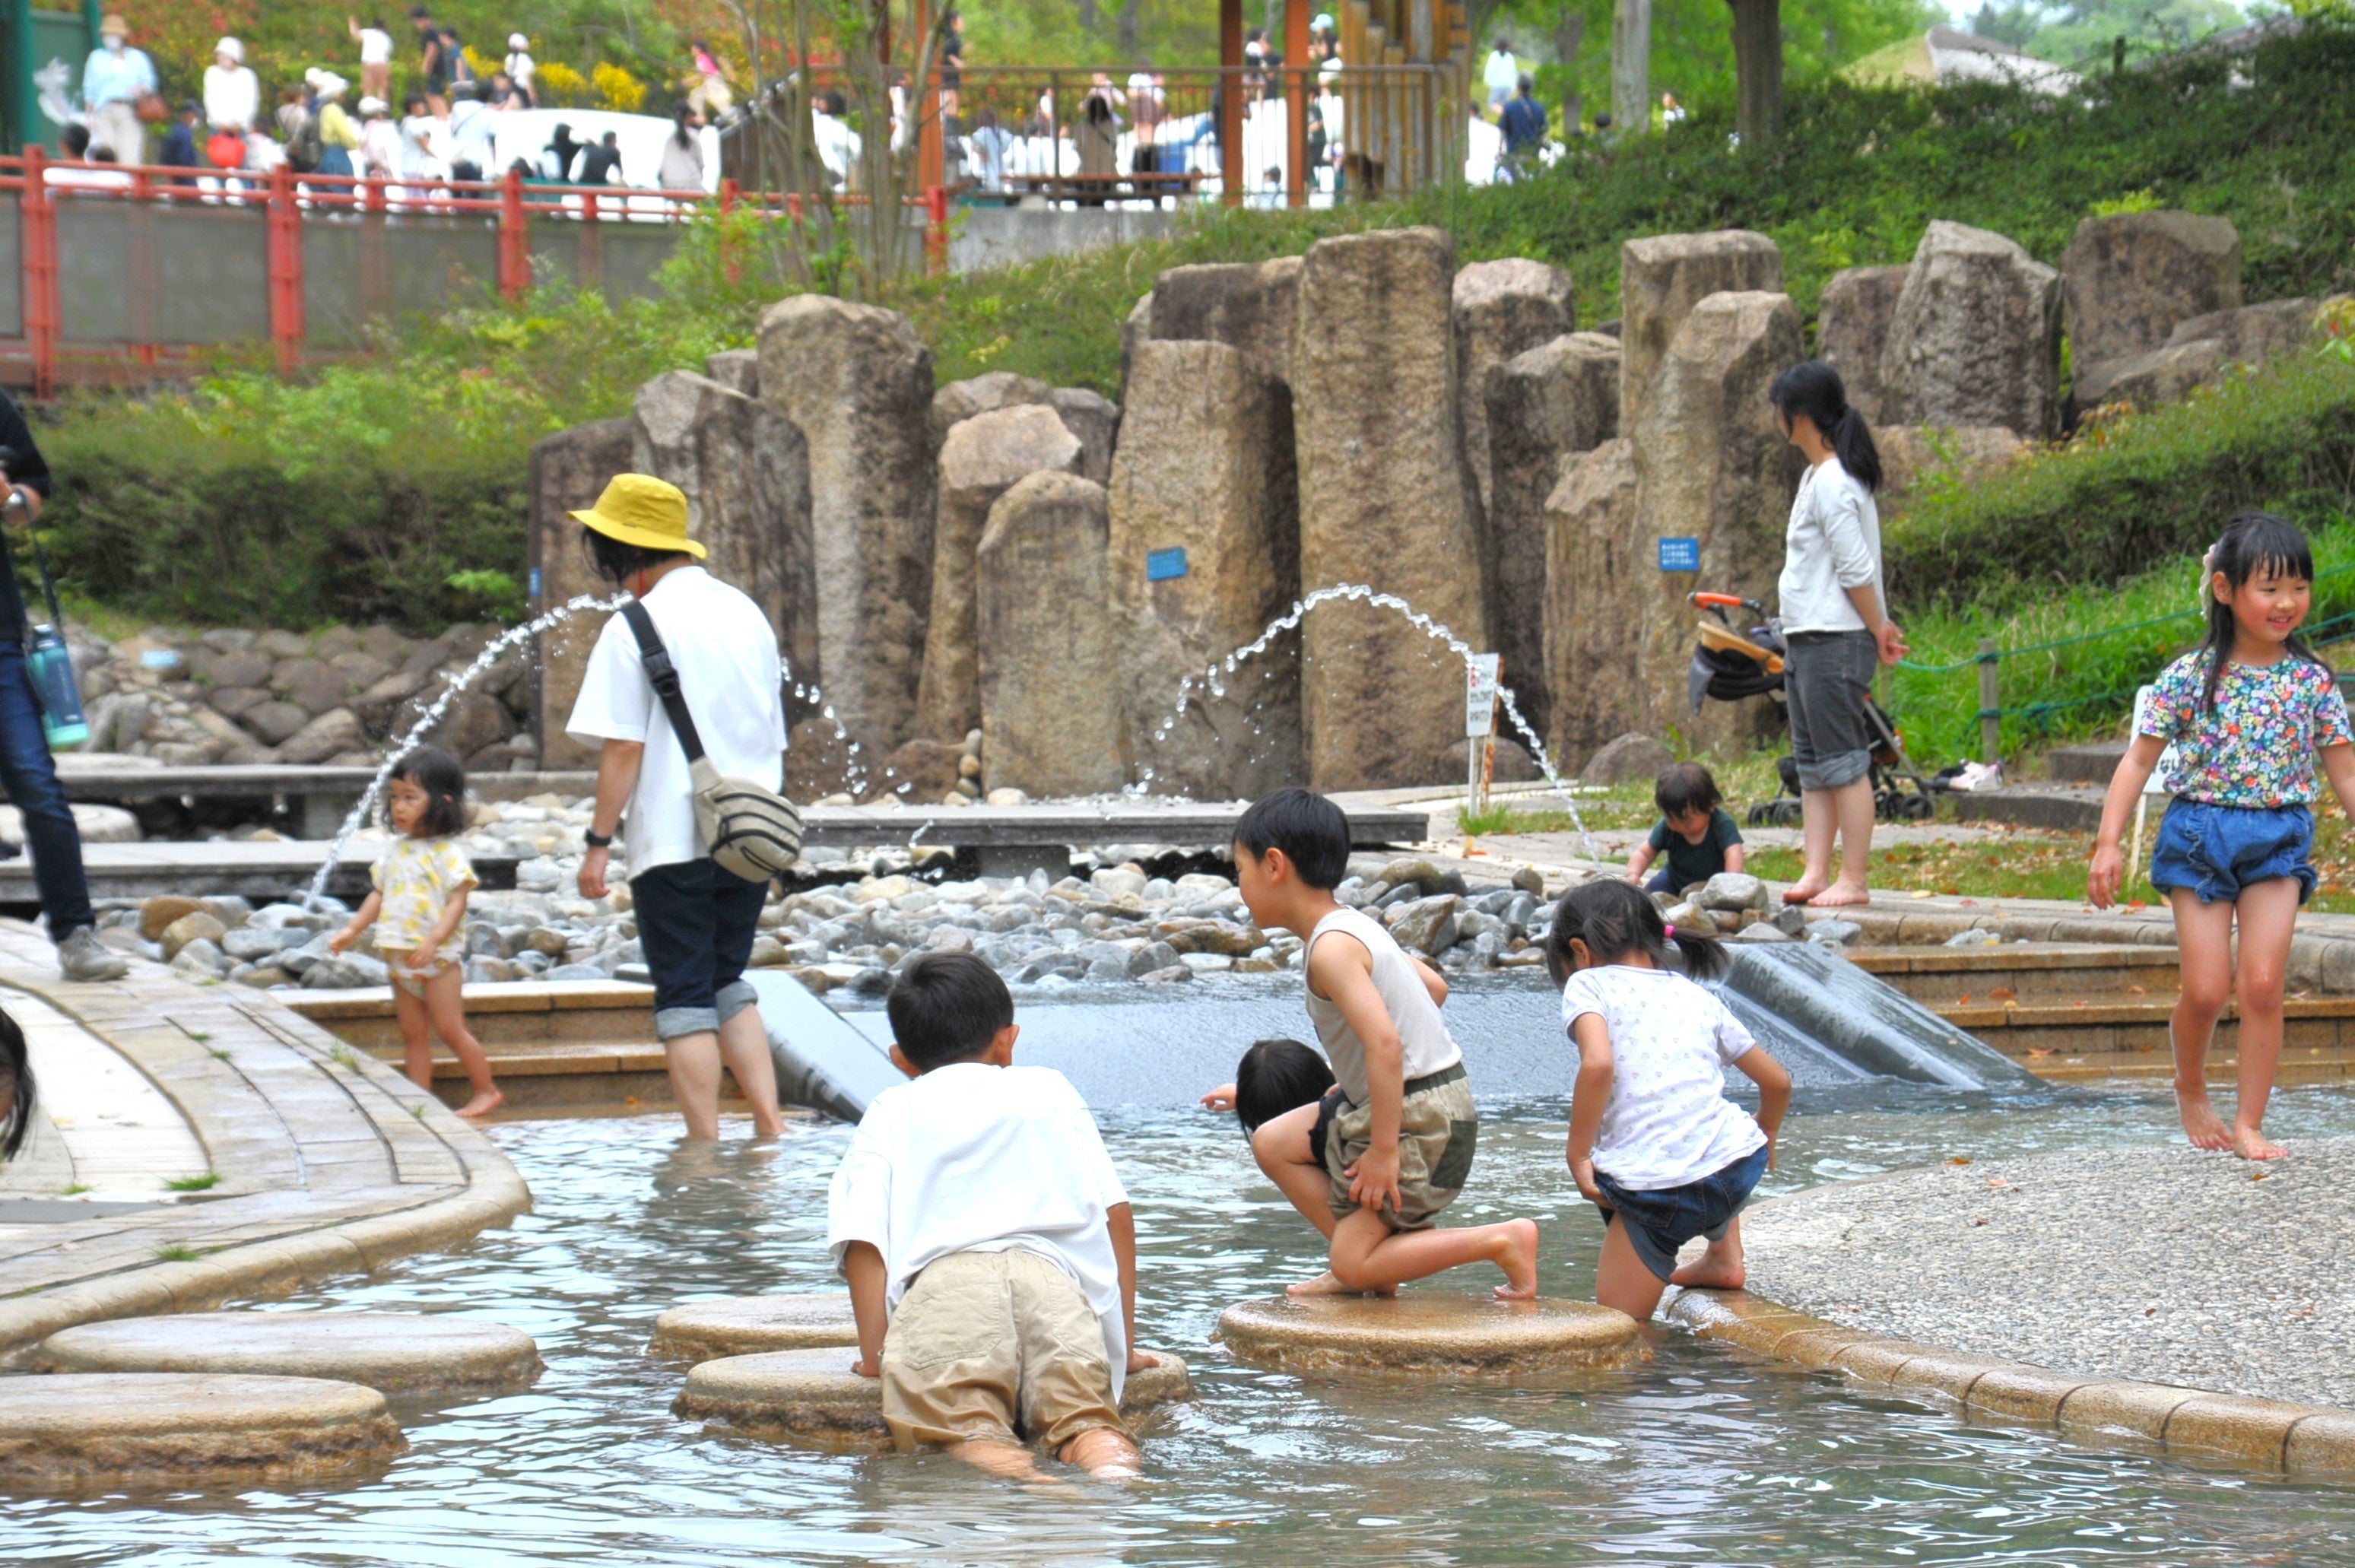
2028	973
585	1078
2059	807
2091	763
2130	1038
542	1012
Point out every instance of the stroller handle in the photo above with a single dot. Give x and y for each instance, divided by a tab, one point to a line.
1724	602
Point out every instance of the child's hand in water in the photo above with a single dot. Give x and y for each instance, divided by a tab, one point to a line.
1221	1098
2102	875
1374	1179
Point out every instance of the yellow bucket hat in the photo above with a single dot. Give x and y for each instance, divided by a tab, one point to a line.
639	509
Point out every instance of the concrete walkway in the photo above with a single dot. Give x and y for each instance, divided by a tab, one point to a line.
324	1160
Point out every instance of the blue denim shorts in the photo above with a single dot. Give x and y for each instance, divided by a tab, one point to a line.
1662	1221
2214	851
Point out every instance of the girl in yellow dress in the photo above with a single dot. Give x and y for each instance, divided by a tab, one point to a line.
420	887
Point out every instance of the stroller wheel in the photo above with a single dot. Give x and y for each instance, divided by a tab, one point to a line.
1915	807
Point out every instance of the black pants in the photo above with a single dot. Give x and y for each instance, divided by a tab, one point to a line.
695	924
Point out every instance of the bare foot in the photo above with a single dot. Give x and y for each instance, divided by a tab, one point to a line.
1326	1285
483	1104
1839	895
1105	1454
1519	1261
2200	1123
1804	891
2251	1143
1710	1272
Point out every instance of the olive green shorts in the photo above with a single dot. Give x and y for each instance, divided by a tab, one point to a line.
1438	1127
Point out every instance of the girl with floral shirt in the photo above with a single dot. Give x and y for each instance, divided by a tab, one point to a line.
2249	712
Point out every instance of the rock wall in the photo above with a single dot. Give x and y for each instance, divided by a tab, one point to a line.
1976	336
858	382
1852	324
1050	705
1385	500
567	472
1205	466
1502	309
1591	544
1660	281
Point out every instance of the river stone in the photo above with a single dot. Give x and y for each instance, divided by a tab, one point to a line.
311	684
241	667
980	460
274	722
158	913
986	393
1205	465
1732	891
751	1324
396	1353
1428	926
858	382
1852	328
738	369
1501	309
1051	715
1661	279
1545	407
2127	279
1427	1333
1590	682
1711	463
200	925
1630	758
1095	420
1249	305
813	1394
1911	453
744	470
104	1426
569	470
331	734
1385	501
1976	336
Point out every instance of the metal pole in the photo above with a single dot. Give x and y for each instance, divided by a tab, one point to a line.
1990	705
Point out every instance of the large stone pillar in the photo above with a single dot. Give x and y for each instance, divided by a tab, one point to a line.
1502	309
2129	279
1205	468
858	383
1545	407
980	460
745	472
1051	710
1386	501
1249	305
1976	336
1711	464
1660	281
1593	554
1852	329
569	470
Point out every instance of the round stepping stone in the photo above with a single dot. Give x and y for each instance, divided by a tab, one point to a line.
755	1325
814	1394
1424	1333
104	1426
400	1354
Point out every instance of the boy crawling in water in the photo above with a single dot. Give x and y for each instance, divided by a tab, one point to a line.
1373	1163
978	1220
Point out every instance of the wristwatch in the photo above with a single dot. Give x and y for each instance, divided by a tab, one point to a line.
595	840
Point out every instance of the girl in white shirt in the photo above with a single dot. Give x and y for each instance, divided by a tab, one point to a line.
1654	1142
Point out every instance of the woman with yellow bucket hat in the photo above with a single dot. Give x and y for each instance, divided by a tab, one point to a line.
696	920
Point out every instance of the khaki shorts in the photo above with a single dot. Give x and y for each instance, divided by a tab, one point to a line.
1438	1127
990	1344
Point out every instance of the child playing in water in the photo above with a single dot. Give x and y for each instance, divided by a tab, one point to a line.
1399	1141
1695	829
1275	1076
1654	1142
2250	711
990	1249
420	894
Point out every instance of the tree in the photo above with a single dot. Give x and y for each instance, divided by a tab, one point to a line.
1757	69
1568	33
1631	66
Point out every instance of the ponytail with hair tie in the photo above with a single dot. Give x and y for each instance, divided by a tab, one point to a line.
1814	390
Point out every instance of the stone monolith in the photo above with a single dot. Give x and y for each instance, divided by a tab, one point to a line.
1976	336
1501	309
1662	278
569	470
1051	710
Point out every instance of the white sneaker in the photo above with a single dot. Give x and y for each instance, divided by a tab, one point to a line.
82	957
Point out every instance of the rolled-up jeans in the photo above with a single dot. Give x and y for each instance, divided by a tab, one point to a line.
696	925
30	776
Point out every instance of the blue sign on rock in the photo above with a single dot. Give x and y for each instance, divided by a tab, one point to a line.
1161	565
1679	554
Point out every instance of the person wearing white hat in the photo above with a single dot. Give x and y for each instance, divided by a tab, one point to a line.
379	140
114	80
338	137
232	92
520	70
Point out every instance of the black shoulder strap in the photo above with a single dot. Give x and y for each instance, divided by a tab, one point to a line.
664	677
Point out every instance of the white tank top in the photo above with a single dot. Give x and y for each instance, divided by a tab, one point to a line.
1423	1034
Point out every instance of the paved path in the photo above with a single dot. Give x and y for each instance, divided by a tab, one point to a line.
2164	1265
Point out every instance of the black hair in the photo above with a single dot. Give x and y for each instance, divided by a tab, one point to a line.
1616	921
413	102
617	562
16	1093
946	1006
1814	389
2254	543
834	102
1312	832
1275	1076
679	114
74	140
1686	786
444	779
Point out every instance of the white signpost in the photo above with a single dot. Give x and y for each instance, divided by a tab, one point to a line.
1480	685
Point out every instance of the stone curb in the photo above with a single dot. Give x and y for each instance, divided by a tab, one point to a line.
2273	1435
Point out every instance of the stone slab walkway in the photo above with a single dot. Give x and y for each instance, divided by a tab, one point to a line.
2166	1265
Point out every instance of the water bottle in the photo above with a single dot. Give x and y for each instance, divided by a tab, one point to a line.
50	662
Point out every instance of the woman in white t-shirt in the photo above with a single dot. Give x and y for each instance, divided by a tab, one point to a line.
1654	1142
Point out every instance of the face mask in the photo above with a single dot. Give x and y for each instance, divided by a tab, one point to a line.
114	42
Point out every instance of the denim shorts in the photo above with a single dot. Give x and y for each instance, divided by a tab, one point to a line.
1826	683
1661	1221
695	924
2214	851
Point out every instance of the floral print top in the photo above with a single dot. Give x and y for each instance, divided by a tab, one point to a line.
2256	748
417	877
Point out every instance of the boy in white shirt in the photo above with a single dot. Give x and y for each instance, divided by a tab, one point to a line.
990	1249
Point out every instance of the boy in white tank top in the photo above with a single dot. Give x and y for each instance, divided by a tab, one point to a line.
1372	1163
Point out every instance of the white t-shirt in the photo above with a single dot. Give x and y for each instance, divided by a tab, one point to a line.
976	1159
1833	544
1668	1122
726	655
1425	1045
375	47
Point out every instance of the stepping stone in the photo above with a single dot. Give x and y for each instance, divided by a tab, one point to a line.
106	1426
396	1353
1424	1333
813	1394
753	1325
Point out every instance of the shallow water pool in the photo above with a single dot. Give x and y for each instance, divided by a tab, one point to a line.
1701	1455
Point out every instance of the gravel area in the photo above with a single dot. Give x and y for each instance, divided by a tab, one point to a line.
2164	1264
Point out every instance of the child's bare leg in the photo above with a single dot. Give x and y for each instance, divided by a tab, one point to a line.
1621	1280
1009	1461
2203	936
1104	1454
416	1033
2268	916
1720	1268
447	1010
1368	1255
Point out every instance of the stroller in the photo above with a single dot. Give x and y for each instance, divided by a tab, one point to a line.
1732	667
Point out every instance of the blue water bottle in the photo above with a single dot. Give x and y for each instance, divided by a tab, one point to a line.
48	660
